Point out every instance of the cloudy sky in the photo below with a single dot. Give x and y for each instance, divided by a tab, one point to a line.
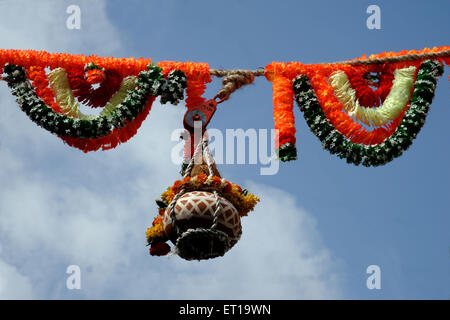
320	223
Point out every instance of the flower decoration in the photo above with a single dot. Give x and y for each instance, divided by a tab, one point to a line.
243	201
412	120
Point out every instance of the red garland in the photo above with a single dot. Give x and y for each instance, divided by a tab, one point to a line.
85	93
39	81
366	96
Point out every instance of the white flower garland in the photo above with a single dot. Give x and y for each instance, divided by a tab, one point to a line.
392	106
59	83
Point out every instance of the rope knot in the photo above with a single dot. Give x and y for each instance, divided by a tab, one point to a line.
233	81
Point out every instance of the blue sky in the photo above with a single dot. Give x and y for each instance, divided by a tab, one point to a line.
321	223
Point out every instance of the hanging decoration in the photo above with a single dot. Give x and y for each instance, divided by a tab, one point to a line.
412	120
346	97
109	127
367	111
200	214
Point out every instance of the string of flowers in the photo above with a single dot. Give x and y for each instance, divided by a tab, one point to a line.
318	75
40	83
393	146
81	84
198	75
94	74
107	72
392	105
27	58
363	84
67	102
284	119
149	83
243	201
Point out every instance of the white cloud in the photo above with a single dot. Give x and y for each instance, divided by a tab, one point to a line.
280	256
59	206
13	285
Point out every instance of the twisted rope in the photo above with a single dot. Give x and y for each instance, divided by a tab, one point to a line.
187	172
406	57
209	161
233	81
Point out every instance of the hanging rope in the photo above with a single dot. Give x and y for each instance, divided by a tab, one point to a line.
203	144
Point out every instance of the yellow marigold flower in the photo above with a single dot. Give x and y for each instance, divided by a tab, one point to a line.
157	231
166	196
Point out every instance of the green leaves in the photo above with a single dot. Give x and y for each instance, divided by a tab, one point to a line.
287	152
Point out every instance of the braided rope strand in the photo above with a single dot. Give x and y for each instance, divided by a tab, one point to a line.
407	57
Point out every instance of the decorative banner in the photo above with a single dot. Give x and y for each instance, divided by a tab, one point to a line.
121	87
113	124
365	100
407	126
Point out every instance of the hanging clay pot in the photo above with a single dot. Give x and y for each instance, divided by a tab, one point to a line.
203	224
194	213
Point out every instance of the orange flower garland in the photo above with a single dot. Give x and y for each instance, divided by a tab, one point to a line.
282	73
40	83
107	72
27	58
283	113
198	76
117	136
83	71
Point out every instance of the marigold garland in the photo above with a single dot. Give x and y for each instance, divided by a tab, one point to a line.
27	58
283	115
394	145
334	99
380	77
81	85
40	82
149	84
392	105
318	76
69	106
243	201
197	77
156	231
107	74
94	74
